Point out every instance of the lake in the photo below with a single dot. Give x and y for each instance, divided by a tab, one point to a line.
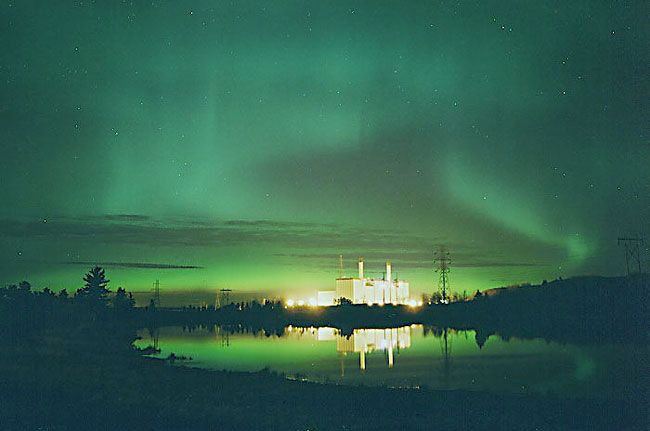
415	356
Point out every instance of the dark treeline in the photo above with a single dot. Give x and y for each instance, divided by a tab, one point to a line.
273	314
25	311
591	309
578	309
92	326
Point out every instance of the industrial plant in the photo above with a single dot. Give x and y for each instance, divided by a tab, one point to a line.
367	290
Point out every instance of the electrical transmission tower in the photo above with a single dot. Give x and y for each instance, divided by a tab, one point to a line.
632	253
156	293
224	297
443	261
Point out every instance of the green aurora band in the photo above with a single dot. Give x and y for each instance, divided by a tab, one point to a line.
257	141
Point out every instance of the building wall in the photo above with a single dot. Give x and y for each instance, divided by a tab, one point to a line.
326	297
358	292
372	291
402	291
344	288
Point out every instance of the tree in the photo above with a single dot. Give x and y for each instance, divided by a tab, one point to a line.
24	286
481	337
343	301
95	289
123	302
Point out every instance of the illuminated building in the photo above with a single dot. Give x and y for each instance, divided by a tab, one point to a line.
326	297
364	290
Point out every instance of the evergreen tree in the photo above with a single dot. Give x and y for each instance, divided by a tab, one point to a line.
24	286
122	301
95	289
436	297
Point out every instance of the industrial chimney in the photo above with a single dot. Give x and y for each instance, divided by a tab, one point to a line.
361	267
388	270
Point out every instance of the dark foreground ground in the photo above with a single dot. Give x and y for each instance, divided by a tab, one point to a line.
42	388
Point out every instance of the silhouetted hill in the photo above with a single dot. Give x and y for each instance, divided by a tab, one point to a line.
611	308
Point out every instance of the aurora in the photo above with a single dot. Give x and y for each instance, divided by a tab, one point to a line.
248	146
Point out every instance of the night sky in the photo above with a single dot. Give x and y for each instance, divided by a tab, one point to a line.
247	144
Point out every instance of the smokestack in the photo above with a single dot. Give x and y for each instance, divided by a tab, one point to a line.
361	267
388	272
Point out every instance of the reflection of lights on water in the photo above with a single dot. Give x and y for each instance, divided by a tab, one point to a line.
365	341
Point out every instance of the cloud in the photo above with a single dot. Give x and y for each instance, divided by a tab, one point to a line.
411	260
275	224
136	265
489	264
319	244
175	233
126	217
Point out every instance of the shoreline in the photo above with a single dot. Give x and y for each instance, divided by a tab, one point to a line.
188	397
